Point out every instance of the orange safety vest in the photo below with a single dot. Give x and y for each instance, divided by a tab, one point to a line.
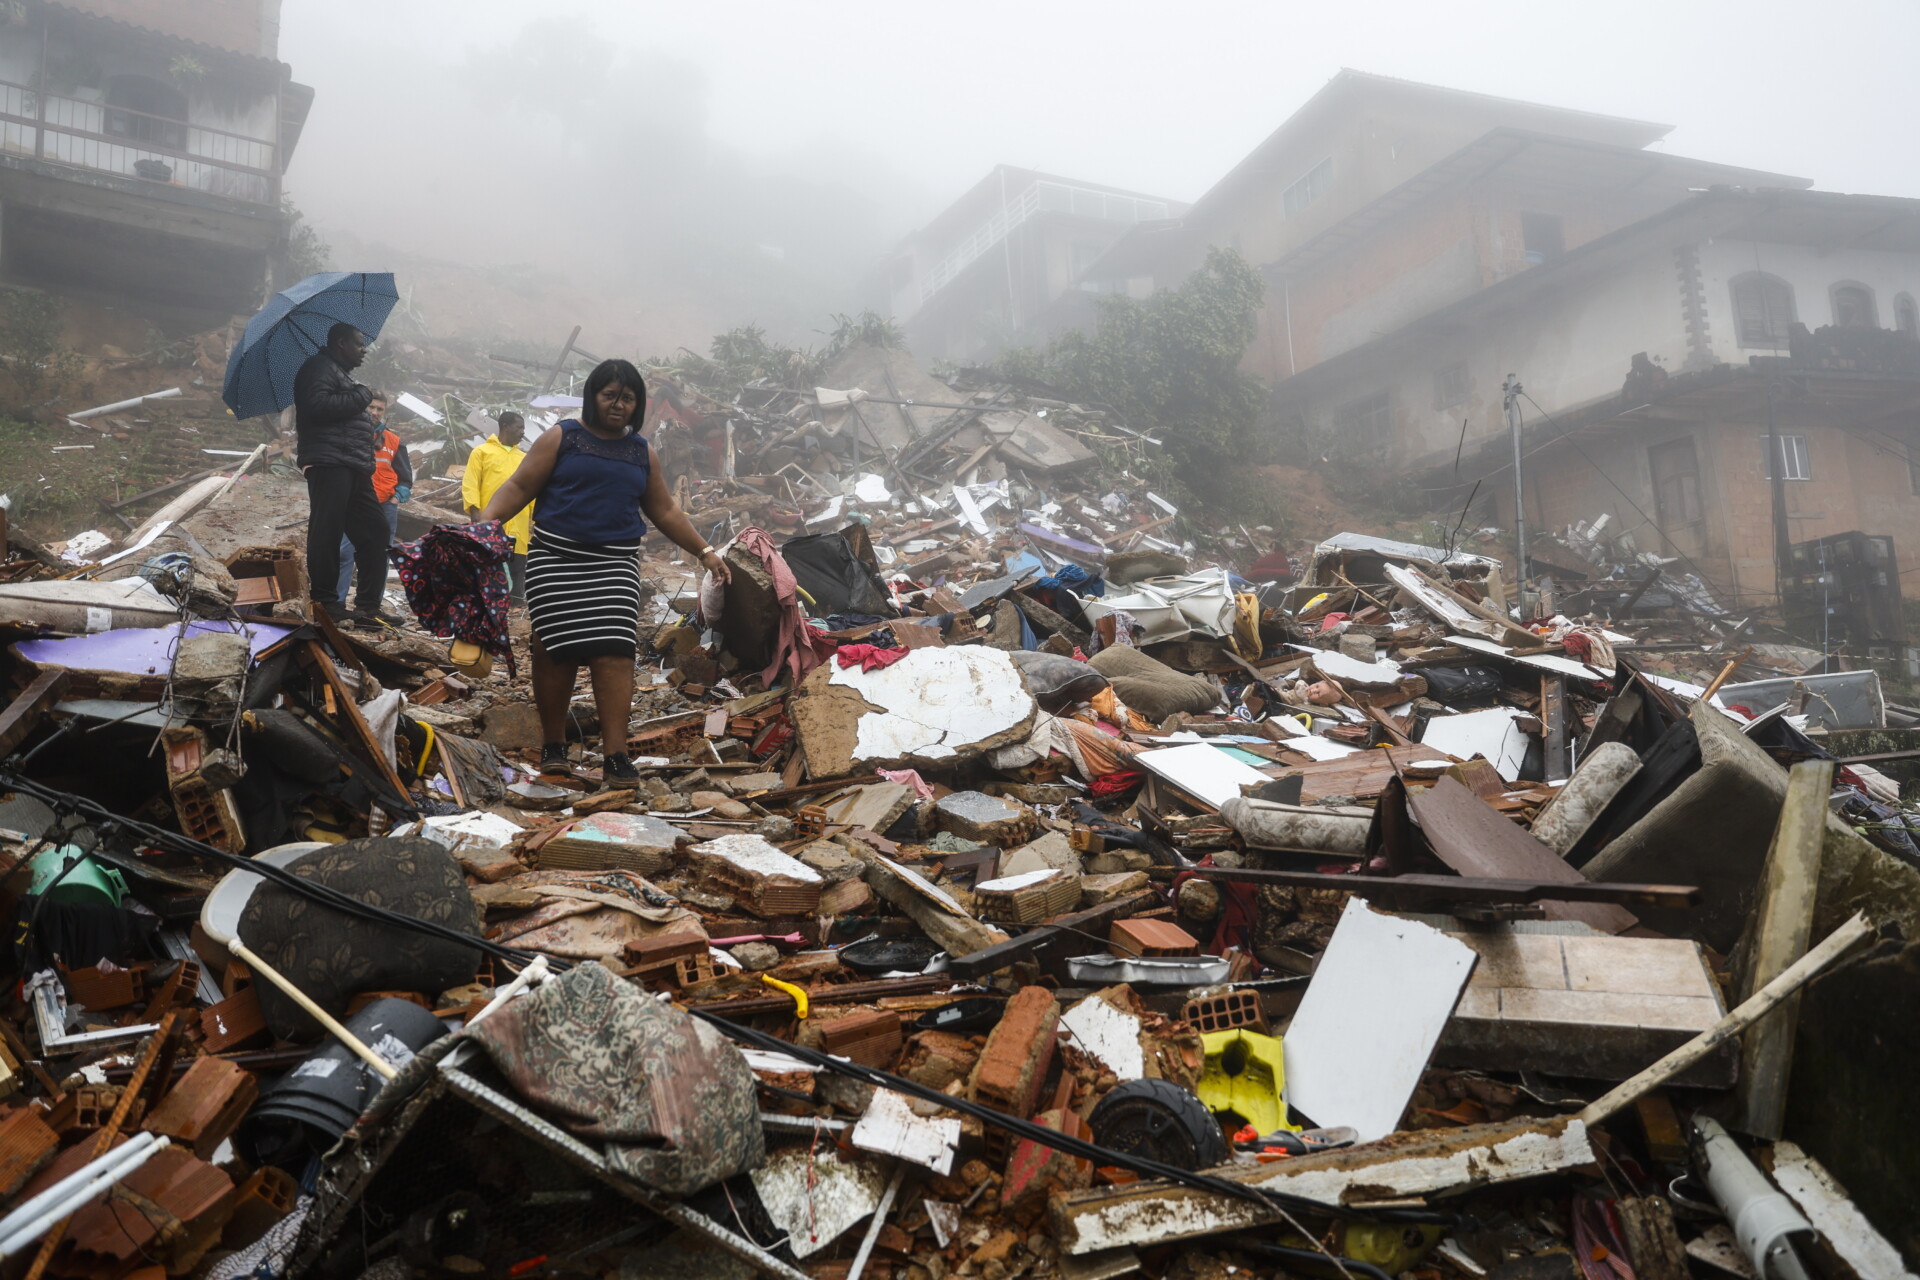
385	478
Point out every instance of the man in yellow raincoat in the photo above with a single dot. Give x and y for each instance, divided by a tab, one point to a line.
488	467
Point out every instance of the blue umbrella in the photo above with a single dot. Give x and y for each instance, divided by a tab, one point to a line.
292	326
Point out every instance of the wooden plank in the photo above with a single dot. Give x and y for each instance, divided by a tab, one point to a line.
336	639
820	994
1553	715
1426	891
1653	1242
1027	945
350	710
1427	1164
1472	839
1780	931
1363	775
25	712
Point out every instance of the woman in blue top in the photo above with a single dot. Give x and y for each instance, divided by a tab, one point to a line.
597	488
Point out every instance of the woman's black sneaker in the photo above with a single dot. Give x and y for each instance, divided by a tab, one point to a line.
553	761
618	771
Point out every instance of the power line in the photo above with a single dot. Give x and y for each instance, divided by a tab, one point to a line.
1570	438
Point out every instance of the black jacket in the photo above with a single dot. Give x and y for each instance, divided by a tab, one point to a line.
330	416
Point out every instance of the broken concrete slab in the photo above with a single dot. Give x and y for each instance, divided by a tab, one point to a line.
875	806
816	1194
942	919
935	706
1593	1007
1051	852
892	1127
1106	1029
833	863
1424	1164
983	819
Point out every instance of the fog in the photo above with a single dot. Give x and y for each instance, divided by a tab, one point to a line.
670	170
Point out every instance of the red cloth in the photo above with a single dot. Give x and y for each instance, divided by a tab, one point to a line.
1333	620
1112	784
870	657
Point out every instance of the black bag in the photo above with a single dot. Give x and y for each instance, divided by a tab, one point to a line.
1462	686
825	566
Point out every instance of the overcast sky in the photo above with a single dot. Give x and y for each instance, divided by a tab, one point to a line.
1166	98
767	153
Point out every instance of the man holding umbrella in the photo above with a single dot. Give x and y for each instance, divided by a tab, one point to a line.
336	439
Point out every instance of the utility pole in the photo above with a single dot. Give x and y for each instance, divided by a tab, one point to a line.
1776	472
1511	391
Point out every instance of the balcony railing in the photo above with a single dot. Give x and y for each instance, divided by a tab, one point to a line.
134	144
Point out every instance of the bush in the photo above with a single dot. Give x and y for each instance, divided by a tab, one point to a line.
1169	365
37	366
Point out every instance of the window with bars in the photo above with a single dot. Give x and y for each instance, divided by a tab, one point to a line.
1451	385
1793	453
1762	309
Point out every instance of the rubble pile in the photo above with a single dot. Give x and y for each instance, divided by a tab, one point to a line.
1051	885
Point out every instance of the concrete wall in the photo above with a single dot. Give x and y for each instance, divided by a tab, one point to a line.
1858	482
1437	253
1810	271
1570	347
242	26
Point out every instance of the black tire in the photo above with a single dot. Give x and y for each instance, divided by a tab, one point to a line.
1158	1120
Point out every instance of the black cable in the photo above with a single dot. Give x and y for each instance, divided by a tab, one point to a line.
1101	1156
1569	436
1270	1200
173	841
1285	1253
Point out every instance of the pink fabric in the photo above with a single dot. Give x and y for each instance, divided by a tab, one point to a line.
869	656
910	778
800	648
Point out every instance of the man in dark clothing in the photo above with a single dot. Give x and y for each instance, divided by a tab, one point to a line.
336	439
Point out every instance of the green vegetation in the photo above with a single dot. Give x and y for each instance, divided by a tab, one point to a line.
744	355
306	253
1169	365
36	367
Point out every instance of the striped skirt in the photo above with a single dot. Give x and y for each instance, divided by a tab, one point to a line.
584	598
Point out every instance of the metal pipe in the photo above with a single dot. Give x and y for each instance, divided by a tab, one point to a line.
1512	392
118	405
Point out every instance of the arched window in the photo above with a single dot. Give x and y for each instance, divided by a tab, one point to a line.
1853	306
1762	309
1906	316
140	109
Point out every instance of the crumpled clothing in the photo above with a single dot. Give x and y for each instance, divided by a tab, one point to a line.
1074	579
1094	754
592	915
455	578
909	778
799	648
1586	644
670	1099
1113	784
869	657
